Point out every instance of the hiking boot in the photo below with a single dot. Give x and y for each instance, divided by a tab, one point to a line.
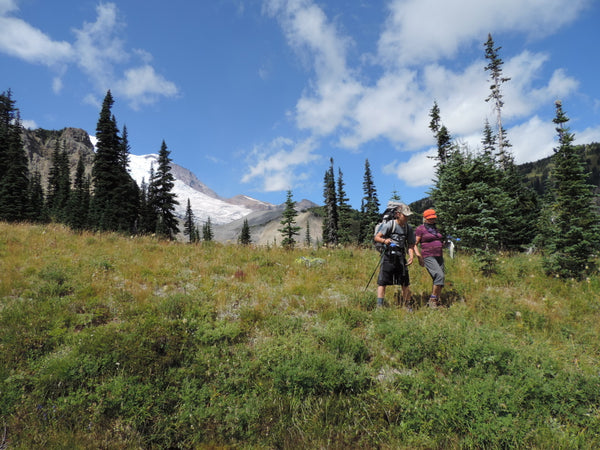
433	302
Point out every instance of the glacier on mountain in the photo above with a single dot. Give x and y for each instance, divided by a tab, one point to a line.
204	205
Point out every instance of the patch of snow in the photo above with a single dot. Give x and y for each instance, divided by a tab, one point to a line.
203	206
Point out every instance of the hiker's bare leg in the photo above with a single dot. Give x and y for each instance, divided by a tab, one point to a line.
437	290
406	294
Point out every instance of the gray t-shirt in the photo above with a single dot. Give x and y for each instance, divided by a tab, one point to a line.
398	233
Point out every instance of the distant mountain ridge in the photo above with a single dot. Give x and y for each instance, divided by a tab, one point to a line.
39	146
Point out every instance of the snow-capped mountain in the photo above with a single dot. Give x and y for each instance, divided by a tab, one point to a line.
204	202
40	144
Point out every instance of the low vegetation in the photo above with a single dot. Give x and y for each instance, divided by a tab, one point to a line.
109	341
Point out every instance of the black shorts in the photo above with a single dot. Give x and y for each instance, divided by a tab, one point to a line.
394	271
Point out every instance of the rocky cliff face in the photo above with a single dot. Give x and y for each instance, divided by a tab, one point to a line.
40	144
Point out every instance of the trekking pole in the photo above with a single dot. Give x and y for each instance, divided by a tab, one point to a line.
376	267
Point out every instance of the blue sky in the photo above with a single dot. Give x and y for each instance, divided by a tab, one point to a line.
255	96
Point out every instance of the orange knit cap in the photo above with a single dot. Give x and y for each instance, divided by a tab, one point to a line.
429	214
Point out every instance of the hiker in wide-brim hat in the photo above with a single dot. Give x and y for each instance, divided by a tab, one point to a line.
399	240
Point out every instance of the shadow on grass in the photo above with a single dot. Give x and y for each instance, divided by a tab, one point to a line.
420	300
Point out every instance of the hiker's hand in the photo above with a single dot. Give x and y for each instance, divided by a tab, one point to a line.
421	261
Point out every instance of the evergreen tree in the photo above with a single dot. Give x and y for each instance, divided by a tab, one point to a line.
518	218
189	223
14	172
494	66
290	229
369	209
469	200
441	134
307	238
37	205
245	237
572	222
330	221
164	200
207	231
147	212
489	140
79	199
128	192
344	212
59	184
116	196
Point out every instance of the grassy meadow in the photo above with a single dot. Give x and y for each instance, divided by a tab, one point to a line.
109	341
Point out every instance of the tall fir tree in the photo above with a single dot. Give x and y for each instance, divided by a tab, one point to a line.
518	218
307	238
369	209
344	212
330	221
14	171
469	200
165	199
128	192
245	237
147	212
116	196
494	67
59	184
489	140
37	205
189	224
441	134
289	229
207	231
79	199
571	233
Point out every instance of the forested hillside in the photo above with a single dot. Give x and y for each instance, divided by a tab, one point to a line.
537	172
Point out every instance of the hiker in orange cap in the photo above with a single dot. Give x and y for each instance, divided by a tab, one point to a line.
431	242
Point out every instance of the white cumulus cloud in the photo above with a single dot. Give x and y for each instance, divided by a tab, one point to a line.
280	164
98	50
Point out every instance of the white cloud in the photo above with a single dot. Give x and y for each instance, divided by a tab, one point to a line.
588	135
390	109
532	140
427	30
322	108
57	85
29	124
99	47
142	86
101	50
21	40
7	6
98	50
418	171
277	164
412	52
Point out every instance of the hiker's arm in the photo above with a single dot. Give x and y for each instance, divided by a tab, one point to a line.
411	254
418	252
379	238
